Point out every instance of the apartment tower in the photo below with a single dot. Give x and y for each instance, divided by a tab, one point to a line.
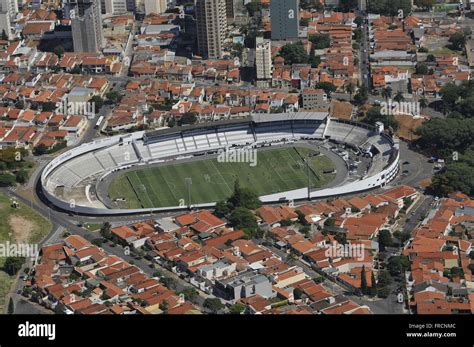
86	25
211	27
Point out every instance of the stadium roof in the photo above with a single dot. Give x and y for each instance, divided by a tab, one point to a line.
273	117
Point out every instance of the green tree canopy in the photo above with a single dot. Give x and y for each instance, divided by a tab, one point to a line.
294	53
457	40
213	304
390	7
13	264
375	115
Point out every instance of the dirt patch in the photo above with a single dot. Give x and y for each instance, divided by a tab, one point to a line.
22	228
407	126
425	183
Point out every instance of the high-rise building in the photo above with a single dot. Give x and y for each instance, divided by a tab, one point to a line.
263	60
113	6
211	27
9	6
86	25
155	6
234	7
285	19
8	12
5	24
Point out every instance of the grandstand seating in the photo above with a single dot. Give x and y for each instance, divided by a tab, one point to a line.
72	172
348	133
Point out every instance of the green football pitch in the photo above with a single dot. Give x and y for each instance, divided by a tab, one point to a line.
211	180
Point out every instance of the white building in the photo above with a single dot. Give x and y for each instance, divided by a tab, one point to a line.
263	59
8	12
155	6
211	27
5	24
10	6
114	7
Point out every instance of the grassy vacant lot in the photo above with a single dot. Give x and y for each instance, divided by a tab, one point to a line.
21	225
277	170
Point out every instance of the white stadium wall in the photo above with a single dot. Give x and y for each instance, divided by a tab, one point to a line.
376	180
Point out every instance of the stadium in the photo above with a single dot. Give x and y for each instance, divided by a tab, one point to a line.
300	156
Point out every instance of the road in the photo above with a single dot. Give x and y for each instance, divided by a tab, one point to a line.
364	53
144	265
418	213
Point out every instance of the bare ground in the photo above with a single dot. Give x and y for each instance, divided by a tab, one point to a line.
21	227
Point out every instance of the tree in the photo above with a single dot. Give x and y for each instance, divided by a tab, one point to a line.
421	69
221	209
59	51
385	239
113	96
20	105
106	231
430	58
98	102
189	293
188	118
314	59
48	106
423	103
98	241
384	279
361	96
449	95
390	7
253	7
3	166
21	176
373	287
244	197
383	292
11	306
399	97
294	53
466	107
320	41
40	149
213	304
398	264
237	308
358	35
363	281
402	236
387	93
291	257
348	5
425	4
7	180
328	87
242	218
164	305
168	282
375	115
297	293
4	35
301	218
329	222
456	177
13	264
349	89
457	41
